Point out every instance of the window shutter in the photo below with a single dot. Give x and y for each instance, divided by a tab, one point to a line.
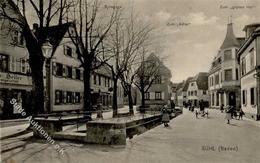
11	63
162	95
152	95
54	68
64	50
74	54
81	74
64	97
73	73
65	71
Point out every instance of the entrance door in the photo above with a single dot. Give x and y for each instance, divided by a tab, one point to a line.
232	99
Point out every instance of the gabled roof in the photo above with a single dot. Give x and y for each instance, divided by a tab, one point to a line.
230	39
55	33
202	80
186	83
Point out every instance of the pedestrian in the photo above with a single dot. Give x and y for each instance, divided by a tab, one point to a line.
196	113
202	107
241	114
165	117
172	104
222	108
228	114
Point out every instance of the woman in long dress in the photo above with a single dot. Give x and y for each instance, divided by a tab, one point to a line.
165	117
228	114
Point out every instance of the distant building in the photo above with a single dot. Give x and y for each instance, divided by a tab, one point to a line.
249	58
224	78
160	91
198	89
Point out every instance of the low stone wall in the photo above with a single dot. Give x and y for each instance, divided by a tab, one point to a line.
106	133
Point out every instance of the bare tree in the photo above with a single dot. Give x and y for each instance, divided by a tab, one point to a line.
90	28
146	74
125	39
47	13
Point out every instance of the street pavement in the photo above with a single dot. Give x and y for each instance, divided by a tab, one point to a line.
202	140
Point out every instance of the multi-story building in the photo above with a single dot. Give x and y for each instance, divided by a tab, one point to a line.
66	79
15	80
249	59
224	78
160	91
198	89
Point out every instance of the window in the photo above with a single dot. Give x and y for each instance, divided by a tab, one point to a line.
58	97
191	93
217	100
78	74
217	79
236	74
23	65
244	94
64	97
252	59
69	97
227	55
108	82
158	95
243	66
69	74
158	80
252	96
147	96
12	62
192	84
59	69
213	99
95	79
68	51
204	92
3	63
228	75
195	93
77	97
14	38
21	39
99	79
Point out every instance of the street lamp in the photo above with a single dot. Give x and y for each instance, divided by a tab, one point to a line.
47	53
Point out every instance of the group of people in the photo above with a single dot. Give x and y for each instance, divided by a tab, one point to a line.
232	113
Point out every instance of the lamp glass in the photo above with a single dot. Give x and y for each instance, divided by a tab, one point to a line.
47	49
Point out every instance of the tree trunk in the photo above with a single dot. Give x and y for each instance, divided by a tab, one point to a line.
37	86
130	101
142	98
115	107
87	89
36	61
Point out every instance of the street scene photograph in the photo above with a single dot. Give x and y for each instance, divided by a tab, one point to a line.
129	81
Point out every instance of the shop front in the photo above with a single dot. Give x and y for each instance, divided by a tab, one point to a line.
18	87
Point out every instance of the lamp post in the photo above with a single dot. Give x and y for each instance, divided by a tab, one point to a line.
47	53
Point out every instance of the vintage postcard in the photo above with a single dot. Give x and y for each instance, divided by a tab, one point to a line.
129	81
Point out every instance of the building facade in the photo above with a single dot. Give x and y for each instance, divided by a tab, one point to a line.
160	91
224	77
15	80
249	59
198	90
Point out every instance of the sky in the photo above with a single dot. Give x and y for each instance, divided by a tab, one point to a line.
192	31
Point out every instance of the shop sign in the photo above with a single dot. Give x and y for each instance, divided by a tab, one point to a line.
10	78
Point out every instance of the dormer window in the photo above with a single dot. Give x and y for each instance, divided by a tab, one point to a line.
68	51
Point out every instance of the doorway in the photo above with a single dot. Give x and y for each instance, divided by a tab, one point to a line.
232	99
